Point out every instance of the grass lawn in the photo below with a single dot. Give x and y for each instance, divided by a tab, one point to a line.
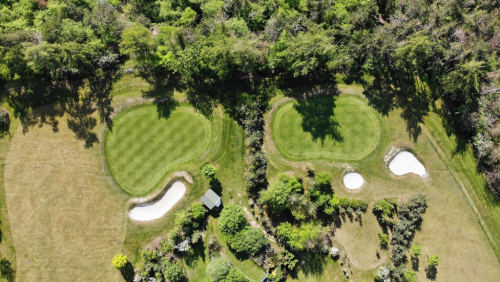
450	228
67	222
331	128
143	146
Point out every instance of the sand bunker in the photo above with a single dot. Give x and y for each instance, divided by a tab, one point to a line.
162	206
353	180
405	162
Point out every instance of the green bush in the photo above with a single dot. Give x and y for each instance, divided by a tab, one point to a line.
354	204
172	271
384	239
250	240
363	205
198	211
433	261
232	219
416	250
120	261
208	171
409	276
324	180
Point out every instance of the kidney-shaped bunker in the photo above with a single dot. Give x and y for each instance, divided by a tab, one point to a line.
158	209
405	162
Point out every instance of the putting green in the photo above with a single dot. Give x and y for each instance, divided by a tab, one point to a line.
332	128
142	147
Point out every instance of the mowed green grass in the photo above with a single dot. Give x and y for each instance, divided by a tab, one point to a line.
143	147
342	128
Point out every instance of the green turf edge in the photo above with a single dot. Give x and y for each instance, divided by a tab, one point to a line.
473	183
7	249
284	155
214	124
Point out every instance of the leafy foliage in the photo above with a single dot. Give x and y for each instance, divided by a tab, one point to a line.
120	261
300	237
232	219
433	260
208	171
250	240
219	270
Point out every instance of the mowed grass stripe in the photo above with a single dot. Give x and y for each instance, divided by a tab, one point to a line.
142	148
345	128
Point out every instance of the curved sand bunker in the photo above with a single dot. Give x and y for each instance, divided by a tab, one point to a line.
158	209
353	180
405	162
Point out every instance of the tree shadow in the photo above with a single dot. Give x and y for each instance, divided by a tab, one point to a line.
406	91
128	272
313	264
162	89
6	270
431	273
318	118
81	122
415	263
196	253
4	123
216	186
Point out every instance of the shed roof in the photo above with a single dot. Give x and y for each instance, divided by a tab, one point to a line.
211	199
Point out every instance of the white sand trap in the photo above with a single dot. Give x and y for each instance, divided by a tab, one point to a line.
353	180
162	206
405	162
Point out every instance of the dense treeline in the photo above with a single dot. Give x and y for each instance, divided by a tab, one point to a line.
415	52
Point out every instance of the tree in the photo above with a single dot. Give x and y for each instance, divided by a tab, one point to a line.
249	241
218	269
183	217
172	271
433	261
137	41
120	261
232	219
383	272
278	193
208	171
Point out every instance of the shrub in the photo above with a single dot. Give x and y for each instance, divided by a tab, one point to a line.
383	272
287	259
232	219
384	239
324	180
120	261
354	204
198	211
334	252
409	276
171	271
296	236
433	261
183	217
344	202
363	205
416	250
196	236
208	171
333	205
184	246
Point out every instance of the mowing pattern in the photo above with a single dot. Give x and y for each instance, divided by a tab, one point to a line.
343	128
142	147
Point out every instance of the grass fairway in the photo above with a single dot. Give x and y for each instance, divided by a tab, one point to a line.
143	147
327	128
67	222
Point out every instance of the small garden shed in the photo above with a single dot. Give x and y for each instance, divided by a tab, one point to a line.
211	199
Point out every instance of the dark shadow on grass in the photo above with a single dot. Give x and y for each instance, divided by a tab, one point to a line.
6	270
81	122
128	272
431	273
415	263
318	118
196	253
314	263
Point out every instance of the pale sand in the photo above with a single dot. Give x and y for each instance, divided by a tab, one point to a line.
405	162
353	180
162	206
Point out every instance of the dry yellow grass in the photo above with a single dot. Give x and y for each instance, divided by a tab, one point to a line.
66	220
